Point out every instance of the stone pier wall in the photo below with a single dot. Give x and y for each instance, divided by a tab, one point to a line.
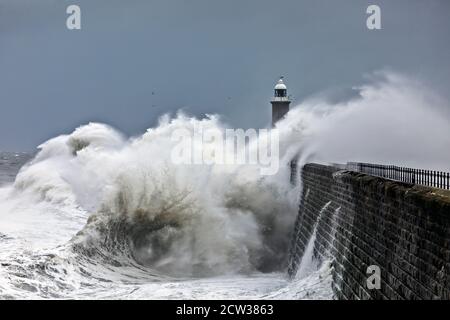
361	220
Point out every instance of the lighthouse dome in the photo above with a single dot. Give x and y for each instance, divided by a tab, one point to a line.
280	85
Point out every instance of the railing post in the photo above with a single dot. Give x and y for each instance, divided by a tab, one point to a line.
448	180
436	175
434	178
438	178
431	178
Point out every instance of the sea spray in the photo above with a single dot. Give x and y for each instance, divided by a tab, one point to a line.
179	219
384	122
308	263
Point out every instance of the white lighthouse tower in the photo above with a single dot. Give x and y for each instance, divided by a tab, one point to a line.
280	102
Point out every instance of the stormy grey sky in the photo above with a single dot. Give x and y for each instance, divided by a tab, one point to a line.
202	56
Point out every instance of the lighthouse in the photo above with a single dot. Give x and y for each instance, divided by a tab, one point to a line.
280	102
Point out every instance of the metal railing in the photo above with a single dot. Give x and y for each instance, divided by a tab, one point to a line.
430	178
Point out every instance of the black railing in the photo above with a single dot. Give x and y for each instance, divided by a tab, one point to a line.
436	179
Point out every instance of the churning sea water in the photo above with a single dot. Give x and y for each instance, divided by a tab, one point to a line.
10	163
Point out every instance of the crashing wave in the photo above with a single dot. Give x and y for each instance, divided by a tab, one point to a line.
198	220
